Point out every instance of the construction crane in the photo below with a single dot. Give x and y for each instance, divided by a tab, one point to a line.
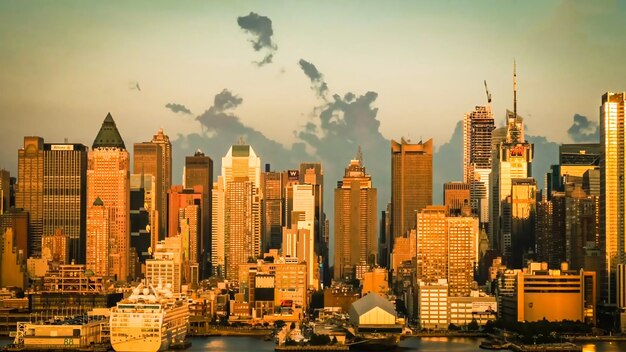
488	94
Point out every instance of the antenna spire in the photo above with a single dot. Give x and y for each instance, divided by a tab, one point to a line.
515	89
359	155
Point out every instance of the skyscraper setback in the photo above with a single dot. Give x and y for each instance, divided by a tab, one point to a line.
411	183
356	224
612	191
108	179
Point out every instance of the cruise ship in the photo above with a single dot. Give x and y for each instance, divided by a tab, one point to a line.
150	320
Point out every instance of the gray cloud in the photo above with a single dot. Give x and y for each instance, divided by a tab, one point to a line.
221	128
176	108
317	79
260	27
583	130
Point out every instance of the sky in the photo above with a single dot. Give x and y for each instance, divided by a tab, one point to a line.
304	79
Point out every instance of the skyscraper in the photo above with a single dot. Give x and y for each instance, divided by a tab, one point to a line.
65	195
29	195
5	190
108	178
273	189
199	172
612	190
447	248
478	127
155	158
100	228
241	174
411	182
356	242
512	159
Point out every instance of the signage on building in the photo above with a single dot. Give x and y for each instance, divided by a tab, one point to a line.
62	147
293	175
484	307
518	150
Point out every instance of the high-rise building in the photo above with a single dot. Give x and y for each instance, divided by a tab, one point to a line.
155	158
143	236
108	178
523	210
456	197
478	127
5	191
100	229
356	242
166	266
313	174
184	219
612	190
218	242
447	249
29	195
199	172
65	195
12	268
512	159
411	182
273	209
304	204
241	175
56	246
17	220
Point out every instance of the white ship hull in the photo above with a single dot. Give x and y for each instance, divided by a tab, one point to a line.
148	326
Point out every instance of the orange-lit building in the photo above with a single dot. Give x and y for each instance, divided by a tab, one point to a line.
108	178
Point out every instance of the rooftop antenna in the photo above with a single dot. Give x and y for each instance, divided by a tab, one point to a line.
488	94
359	155
515	89
241	140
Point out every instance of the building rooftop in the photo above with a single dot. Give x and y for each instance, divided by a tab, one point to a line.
108	136
371	301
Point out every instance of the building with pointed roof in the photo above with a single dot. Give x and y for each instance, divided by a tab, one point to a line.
108	182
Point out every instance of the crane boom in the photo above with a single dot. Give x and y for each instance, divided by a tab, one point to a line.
488	94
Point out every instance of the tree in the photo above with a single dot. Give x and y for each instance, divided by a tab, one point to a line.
279	324
453	327
473	325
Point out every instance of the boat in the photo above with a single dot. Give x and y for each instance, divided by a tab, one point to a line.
494	345
149	320
375	342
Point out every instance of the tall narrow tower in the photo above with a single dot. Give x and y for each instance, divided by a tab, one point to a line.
108	178
356	245
29	195
612	193
241	174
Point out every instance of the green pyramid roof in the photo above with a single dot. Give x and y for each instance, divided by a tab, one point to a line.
98	202
108	136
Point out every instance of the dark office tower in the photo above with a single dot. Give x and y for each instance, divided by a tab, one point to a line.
478	127
199	172
155	158
29	194
456	198
523	205
411	183
576	159
65	195
384	249
612	191
5	191
356	245
140	230
272	209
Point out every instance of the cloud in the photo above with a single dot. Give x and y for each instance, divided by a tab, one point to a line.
176	108
260	27
583	130
317	79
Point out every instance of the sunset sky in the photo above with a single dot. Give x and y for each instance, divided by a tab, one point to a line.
65	64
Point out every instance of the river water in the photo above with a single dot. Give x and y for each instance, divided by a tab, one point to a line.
425	344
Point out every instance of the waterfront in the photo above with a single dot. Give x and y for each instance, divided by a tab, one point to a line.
424	344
